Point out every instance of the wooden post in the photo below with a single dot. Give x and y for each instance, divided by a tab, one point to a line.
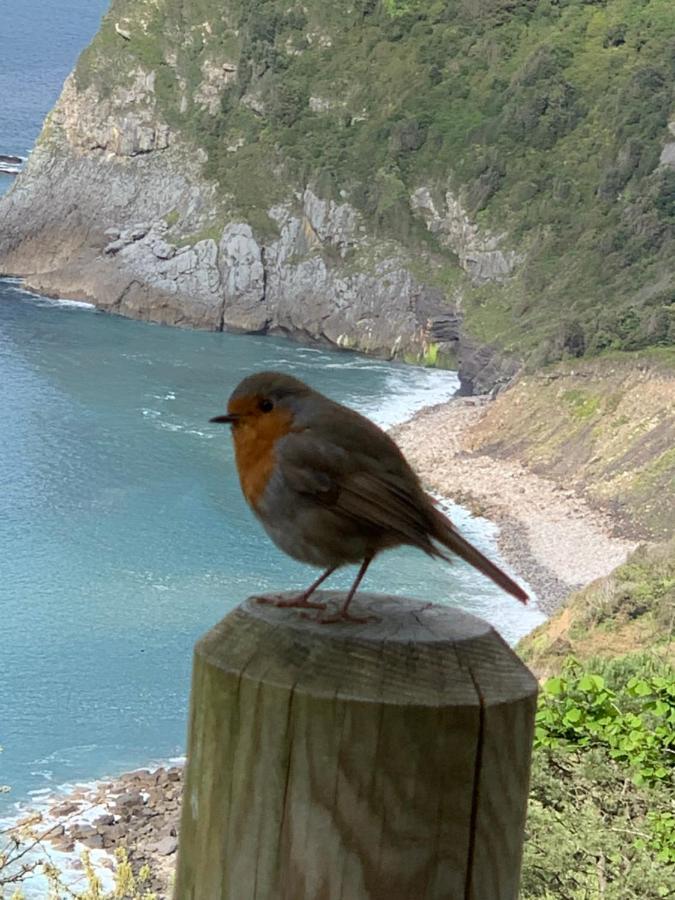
384	761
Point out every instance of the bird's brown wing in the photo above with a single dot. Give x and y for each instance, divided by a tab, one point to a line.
388	503
383	494
360	487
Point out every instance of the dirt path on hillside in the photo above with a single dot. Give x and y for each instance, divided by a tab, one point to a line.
552	537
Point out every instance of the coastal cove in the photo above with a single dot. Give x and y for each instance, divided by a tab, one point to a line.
126	535
457	219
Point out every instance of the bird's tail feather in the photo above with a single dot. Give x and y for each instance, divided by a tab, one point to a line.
447	535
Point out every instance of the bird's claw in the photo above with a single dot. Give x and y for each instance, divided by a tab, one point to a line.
301	602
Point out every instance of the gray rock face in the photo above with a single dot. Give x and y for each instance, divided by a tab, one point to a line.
483	369
478	251
114	247
215	77
123	124
60	209
379	311
329	223
667	157
284	286
243	279
162	250
182	289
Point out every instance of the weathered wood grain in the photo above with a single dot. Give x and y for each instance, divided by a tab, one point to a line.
387	761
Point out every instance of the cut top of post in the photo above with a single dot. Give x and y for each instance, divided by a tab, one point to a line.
413	653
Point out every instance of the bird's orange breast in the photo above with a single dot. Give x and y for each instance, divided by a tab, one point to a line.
255	442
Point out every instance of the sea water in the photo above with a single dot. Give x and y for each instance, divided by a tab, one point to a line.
124	535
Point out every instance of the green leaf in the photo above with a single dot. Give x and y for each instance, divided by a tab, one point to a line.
554	686
592	683
641	689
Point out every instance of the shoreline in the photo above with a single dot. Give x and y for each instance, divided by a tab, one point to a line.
551	536
137	810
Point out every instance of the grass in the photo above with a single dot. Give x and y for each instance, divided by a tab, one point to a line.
172	218
581	404
212	232
604	426
629	611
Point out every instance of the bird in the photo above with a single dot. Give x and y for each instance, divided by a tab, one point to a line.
331	488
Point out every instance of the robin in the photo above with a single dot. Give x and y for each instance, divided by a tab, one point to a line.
331	488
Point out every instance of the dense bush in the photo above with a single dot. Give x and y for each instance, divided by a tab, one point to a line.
602	816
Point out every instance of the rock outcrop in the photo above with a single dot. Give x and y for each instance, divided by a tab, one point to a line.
124	124
10	164
364	175
138	812
479	253
667	157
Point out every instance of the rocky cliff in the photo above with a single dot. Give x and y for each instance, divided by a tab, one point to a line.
341	175
113	208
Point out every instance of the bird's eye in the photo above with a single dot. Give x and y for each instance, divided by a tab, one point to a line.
266	405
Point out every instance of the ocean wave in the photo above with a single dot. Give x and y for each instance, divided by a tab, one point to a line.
60	301
186	428
40	300
407	396
43	804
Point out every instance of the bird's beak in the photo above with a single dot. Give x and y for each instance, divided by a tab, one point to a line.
228	419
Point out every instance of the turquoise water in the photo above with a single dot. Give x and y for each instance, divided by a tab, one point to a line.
124	536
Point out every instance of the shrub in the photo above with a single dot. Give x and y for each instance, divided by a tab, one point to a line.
601	819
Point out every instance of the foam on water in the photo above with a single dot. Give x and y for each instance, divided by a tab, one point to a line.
16	286
39	806
64	304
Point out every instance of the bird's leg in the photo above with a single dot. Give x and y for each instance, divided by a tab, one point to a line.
302	601
343	614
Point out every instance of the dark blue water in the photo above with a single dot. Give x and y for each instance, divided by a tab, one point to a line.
40	41
123	533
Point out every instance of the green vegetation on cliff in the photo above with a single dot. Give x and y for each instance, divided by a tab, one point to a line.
545	117
597	829
629	612
604	427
